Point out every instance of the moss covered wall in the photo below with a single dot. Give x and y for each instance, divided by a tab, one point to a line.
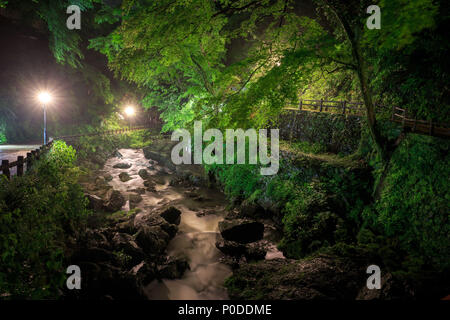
337	133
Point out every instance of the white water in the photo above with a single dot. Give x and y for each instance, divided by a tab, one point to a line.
195	239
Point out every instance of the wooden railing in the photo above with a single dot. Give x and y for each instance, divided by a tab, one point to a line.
21	161
431	128
398	115
36	154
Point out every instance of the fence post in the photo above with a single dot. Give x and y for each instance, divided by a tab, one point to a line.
5	168
343	106
20	166
29	160
321	104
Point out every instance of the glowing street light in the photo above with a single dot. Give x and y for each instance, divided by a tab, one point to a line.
45	97
130	111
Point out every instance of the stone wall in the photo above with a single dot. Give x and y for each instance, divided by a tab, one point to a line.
338	133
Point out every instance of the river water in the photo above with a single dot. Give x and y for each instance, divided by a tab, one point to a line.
196	236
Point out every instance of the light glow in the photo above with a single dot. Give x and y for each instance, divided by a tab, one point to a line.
44	97
129	111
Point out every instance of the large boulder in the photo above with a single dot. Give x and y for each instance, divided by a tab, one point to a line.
122	165
172	215
174	268
95	203
241	230
153	240
115	201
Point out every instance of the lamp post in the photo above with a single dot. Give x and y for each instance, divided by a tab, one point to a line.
130	113
44	98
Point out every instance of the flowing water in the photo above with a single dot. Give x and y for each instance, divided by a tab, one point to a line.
196	236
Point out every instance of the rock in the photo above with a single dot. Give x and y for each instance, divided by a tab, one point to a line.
251	251
321	277
117	154
95	202
124	177
100	181
172	215
230	248
108	177
138	190
143	173
122	165
145	272
134	200
125	242
173	268
241	230
252	210
150	185
153	240
205	212
115	201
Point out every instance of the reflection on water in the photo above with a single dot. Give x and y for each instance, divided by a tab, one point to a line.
195	239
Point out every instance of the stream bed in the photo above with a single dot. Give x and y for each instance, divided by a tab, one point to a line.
202	209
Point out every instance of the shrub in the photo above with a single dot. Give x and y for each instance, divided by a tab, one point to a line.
38	211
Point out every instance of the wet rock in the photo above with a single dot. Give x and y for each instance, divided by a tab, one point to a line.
321	277
122	165
100	181
126	227
95	203
143	173
134	200
252	210
145	272
124	177
153	240
150	185
171	215
115	201
205	212
117	154
108	177
138	190
230	248
125	242
241	230
173	268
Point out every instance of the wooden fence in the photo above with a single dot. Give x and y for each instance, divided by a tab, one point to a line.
398	115
21	161
34	155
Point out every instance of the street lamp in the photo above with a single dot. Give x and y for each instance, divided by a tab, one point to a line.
130	113
45	97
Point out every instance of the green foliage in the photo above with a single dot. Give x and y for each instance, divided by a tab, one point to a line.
38	211
2	133
414	202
